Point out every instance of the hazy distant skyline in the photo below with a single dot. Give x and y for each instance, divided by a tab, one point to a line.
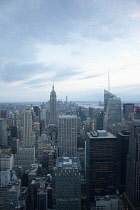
70	42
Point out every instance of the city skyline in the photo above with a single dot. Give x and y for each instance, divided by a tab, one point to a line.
73	43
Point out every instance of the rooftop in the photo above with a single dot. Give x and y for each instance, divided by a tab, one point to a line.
105	198
100	134
67	116
67	163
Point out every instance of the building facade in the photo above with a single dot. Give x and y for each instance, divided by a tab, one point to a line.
68	183
102	166
133	168
53	111
67	135
27	139
112	111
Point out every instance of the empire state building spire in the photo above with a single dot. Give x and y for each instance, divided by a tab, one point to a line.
53	113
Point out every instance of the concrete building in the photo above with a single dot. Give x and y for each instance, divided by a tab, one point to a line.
6	161
68	183
3	132
108	202
4	177
102	163
28	138
67	135
127	109
25	156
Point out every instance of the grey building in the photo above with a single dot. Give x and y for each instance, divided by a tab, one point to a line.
127	109
28	135
67	135
53	111
68	183
3	132
25	156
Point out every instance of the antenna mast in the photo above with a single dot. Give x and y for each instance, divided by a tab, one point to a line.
108	81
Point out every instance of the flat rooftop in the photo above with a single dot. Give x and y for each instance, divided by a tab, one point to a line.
100	134
68	163
67	116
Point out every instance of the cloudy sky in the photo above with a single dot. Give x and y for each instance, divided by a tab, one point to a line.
73	43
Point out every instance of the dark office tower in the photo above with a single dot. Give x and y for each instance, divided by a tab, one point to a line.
53	112
68	183
42	199
3	113
123	139
102	164
127	109
14	131
113	113
99	121
91	112
37	111
133	168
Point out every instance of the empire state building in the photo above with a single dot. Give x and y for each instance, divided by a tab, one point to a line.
53	112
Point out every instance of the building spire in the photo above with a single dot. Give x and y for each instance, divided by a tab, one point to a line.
108	81
53	86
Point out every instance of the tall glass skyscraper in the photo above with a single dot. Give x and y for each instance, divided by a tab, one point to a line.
53	112
112	110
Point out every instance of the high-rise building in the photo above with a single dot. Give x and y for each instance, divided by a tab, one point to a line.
133	168
25	156
123	138
127	109
27	139
42	198
53	112
3	132
102	164
112	110
67	135
68	183
107	96
3	113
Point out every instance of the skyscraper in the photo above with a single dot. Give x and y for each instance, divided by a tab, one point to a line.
133	168
107	96
68	183
53	112
112	110
27	139
127	109
3	132
123	139
101	163
67	135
